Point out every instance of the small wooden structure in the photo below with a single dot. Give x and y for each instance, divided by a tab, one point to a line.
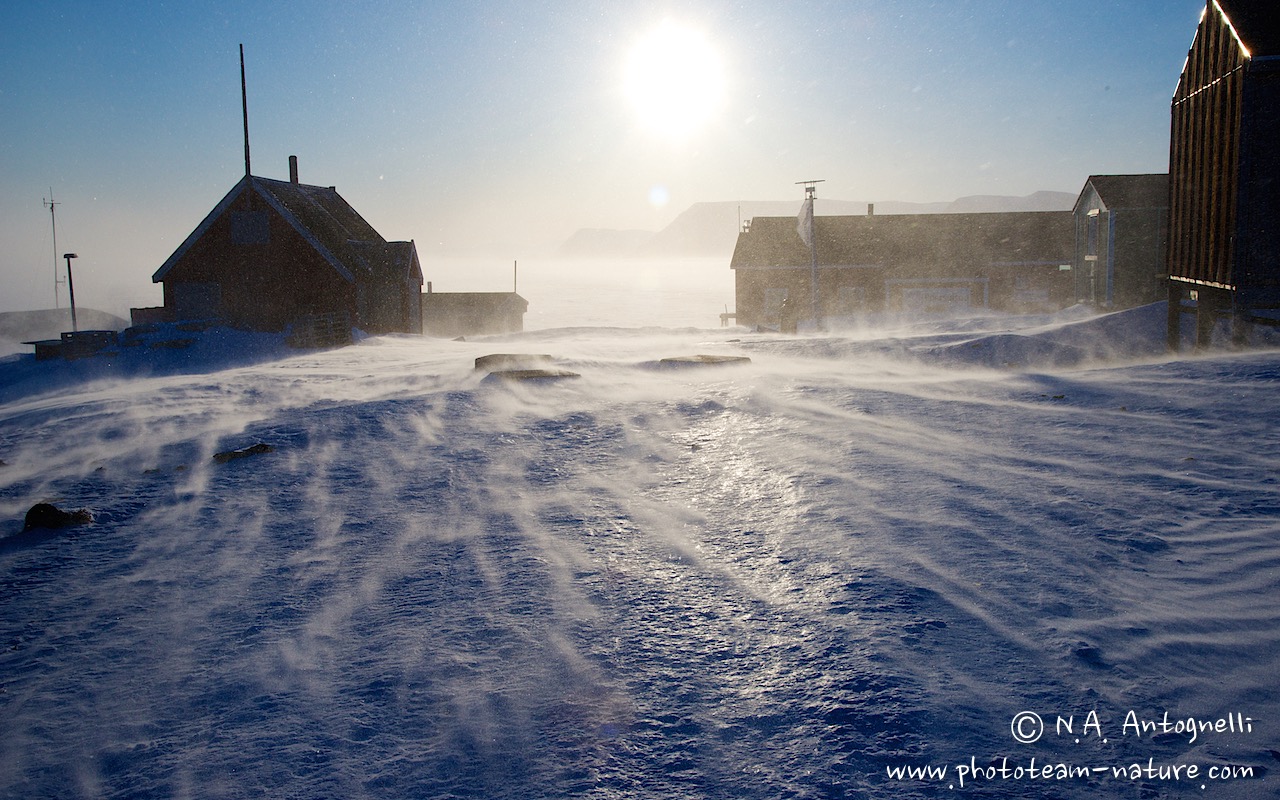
453	314
1121	230
903	263
75	344
1224	169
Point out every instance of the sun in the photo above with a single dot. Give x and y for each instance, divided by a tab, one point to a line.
674	80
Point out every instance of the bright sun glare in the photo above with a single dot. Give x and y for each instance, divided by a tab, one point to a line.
674	80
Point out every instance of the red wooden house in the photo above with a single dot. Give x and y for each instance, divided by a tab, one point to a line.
274	252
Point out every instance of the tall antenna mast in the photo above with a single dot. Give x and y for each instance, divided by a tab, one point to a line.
53	219
812	240
244	107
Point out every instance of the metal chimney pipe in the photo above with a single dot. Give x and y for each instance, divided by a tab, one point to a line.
71	289
293	169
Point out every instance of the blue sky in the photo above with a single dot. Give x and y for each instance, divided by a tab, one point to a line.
502	127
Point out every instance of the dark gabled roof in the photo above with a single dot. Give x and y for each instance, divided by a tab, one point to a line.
320	211
324	219
389	261
1132	191
923	241
1256	22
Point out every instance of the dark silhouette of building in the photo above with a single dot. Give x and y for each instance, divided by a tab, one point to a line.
452	314
1224	174
904	263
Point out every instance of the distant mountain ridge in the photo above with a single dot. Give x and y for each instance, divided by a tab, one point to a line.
711	228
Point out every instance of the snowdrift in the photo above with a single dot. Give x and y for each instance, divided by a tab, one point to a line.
850	567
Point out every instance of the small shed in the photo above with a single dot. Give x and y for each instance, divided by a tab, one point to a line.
903	263
1121	232
453	314
1224	168
273	252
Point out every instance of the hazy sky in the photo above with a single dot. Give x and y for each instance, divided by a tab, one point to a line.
505	126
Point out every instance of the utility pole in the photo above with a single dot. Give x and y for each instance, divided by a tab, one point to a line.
806	230
51	204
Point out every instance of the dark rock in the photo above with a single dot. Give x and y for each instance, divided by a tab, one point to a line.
49	517
244	452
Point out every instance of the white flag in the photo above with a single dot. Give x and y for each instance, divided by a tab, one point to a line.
804	222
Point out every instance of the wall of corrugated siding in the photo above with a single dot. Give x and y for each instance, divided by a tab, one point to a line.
1204	154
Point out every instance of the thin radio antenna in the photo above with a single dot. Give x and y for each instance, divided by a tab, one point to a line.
244	107
52	204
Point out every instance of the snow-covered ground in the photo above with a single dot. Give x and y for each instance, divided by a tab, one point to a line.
861	553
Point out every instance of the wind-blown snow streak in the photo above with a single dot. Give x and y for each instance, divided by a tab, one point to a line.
771	580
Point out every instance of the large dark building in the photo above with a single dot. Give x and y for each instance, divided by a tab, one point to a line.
1224	173
904	263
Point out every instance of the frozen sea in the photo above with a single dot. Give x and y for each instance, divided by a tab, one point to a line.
925	560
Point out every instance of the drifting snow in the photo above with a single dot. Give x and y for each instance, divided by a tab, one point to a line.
787	578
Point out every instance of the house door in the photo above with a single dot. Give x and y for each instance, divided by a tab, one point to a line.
774	297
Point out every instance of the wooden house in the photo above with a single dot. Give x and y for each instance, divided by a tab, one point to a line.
1224	170
904	263
1121	231
273	252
